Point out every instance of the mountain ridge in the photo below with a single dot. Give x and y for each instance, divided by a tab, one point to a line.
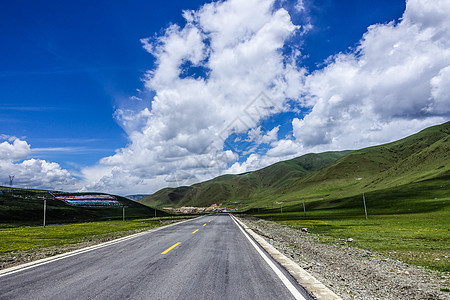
331	174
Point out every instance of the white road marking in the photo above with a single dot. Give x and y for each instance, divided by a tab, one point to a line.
48	260
277	271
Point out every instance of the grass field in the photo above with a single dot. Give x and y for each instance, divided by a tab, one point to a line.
29	237
410	222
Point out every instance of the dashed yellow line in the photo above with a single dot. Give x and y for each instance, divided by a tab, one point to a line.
166	251
170	248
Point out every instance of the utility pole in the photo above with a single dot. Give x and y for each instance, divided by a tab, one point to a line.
304	207
281	207
123	213
11	178
45	209
365	208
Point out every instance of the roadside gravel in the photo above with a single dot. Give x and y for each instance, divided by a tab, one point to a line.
350	272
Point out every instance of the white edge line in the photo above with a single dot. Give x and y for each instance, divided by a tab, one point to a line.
47	260
314	287
277	271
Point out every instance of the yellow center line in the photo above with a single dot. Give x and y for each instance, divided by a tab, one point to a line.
170	248
204	224
195	231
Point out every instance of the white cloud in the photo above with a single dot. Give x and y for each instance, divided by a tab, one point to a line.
237	46
213	77
439	101
257	137
300	6
31	173
14	149
285	149
252	163
394	84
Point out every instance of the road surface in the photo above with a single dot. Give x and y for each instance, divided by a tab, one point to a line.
204	258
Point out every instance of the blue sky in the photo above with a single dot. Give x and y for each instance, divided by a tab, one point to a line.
66	66
88	87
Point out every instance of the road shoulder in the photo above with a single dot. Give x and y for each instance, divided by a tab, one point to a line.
351	272
317	289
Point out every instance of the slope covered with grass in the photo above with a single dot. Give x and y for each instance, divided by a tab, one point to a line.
242	189
25	207
329	175
418	157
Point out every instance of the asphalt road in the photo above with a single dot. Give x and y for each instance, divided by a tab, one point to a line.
205	258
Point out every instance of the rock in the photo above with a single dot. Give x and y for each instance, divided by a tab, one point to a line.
349	240
304	229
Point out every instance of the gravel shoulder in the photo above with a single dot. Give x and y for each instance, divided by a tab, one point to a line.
350	272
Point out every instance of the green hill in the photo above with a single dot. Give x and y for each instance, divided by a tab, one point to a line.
323	176
415	158
237	190
25	207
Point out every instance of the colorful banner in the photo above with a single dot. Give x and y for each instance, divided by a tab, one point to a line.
86	200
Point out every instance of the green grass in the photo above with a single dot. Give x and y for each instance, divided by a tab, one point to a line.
410	222
21	207
31	237
419	239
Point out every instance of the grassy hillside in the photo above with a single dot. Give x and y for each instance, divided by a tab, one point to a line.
239	190
329	175
25	207
418	157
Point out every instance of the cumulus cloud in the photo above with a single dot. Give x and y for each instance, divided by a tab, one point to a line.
214	77
31	173
13	149
218	77
394	84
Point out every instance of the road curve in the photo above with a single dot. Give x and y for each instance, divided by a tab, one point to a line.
205	258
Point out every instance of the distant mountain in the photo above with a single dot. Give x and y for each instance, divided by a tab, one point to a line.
233	189
329	175
136	197
421	156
